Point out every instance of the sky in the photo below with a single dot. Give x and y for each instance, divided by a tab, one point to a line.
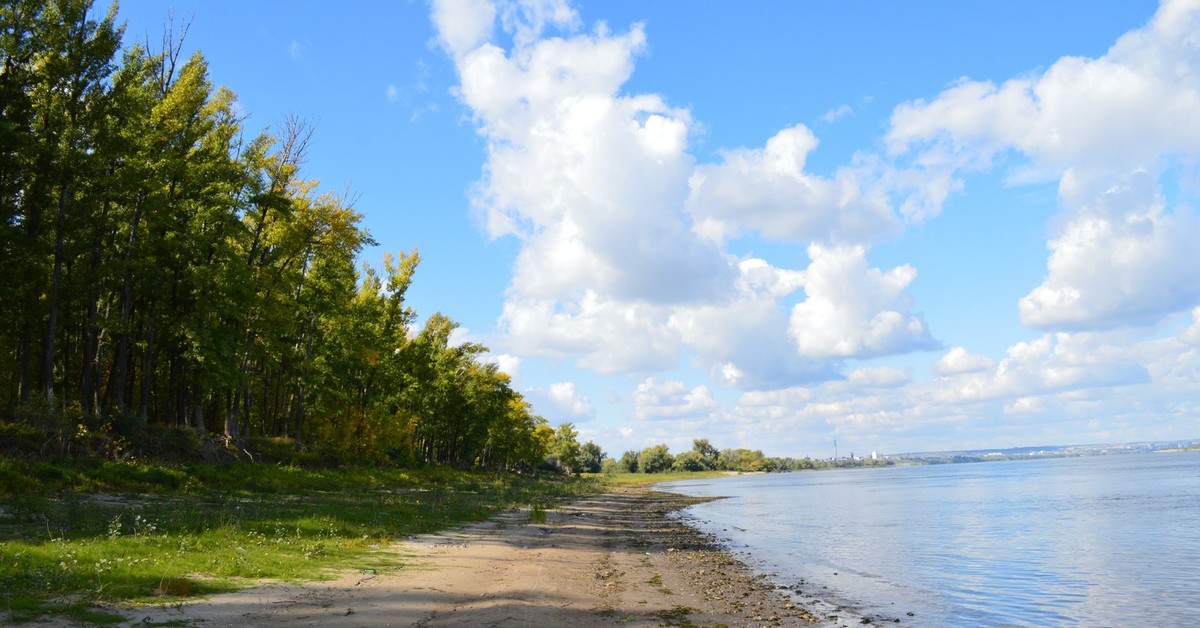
902	227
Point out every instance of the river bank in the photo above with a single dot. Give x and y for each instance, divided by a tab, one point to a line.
619	558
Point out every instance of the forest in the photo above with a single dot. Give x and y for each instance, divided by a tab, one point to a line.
168	271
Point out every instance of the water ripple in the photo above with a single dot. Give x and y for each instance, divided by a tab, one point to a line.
1086	541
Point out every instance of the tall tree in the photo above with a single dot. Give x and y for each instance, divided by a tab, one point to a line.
70	100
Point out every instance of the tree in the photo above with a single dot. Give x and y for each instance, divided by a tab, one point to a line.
689	461
566	448
709	456
628	462
159	270
655	459
591	457
71	101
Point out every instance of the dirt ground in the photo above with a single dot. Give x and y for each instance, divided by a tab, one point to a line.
614	559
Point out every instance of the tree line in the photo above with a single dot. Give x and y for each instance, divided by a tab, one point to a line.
703	456
164	267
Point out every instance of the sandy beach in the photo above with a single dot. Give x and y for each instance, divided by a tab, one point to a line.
613	559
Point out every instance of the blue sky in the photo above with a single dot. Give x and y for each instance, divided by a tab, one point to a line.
903	226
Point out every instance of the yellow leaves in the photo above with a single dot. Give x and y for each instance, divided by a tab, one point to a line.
371	356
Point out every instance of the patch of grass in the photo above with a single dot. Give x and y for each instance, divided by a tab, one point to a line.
537	513
127	532
652	478
677	616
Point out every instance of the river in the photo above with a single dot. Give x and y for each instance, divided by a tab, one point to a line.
1098	541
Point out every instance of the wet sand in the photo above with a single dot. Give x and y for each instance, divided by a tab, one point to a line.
614	559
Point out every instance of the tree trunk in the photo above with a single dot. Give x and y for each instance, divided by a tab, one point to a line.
231	419
91	346
147	379
55	284
25	350
122	358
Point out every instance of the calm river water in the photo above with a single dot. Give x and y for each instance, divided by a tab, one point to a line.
1098	541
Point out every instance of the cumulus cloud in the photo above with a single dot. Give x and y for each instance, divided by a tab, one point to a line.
743	342
569	402
1109	128
1120	260
1049	364
878	377
768	190
622	263
670	399
853	310
625	265
463	25
1066	387
957	360
605	335
1025	405
508	364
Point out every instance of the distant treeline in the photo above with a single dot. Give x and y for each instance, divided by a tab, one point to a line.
164	271
705	457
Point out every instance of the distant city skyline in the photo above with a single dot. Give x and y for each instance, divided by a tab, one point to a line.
773	225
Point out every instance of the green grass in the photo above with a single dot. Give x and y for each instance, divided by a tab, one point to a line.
73	536
671	476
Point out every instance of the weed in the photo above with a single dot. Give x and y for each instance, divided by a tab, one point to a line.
677	616
537	513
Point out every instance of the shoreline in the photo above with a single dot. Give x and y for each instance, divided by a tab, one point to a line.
619	558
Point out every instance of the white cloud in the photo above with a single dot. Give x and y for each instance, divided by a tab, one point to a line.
458	337
507	363
463	25
527	19
853	310
878	377
392	93
669	399
1110	128
1025	405
769	191
837	113
622	263
295	50
607	336
569	402
1063	387
743	342
958	360
1121	260
1050	364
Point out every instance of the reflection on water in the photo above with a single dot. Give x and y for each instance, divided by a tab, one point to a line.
1111	540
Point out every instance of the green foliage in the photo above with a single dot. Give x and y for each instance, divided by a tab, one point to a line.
628	462
566	448
655	459
689	461
591	457
162	272
709	456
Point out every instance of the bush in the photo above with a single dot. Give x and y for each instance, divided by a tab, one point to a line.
689	461
655	459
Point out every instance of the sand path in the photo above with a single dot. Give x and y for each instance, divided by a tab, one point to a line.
612	559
